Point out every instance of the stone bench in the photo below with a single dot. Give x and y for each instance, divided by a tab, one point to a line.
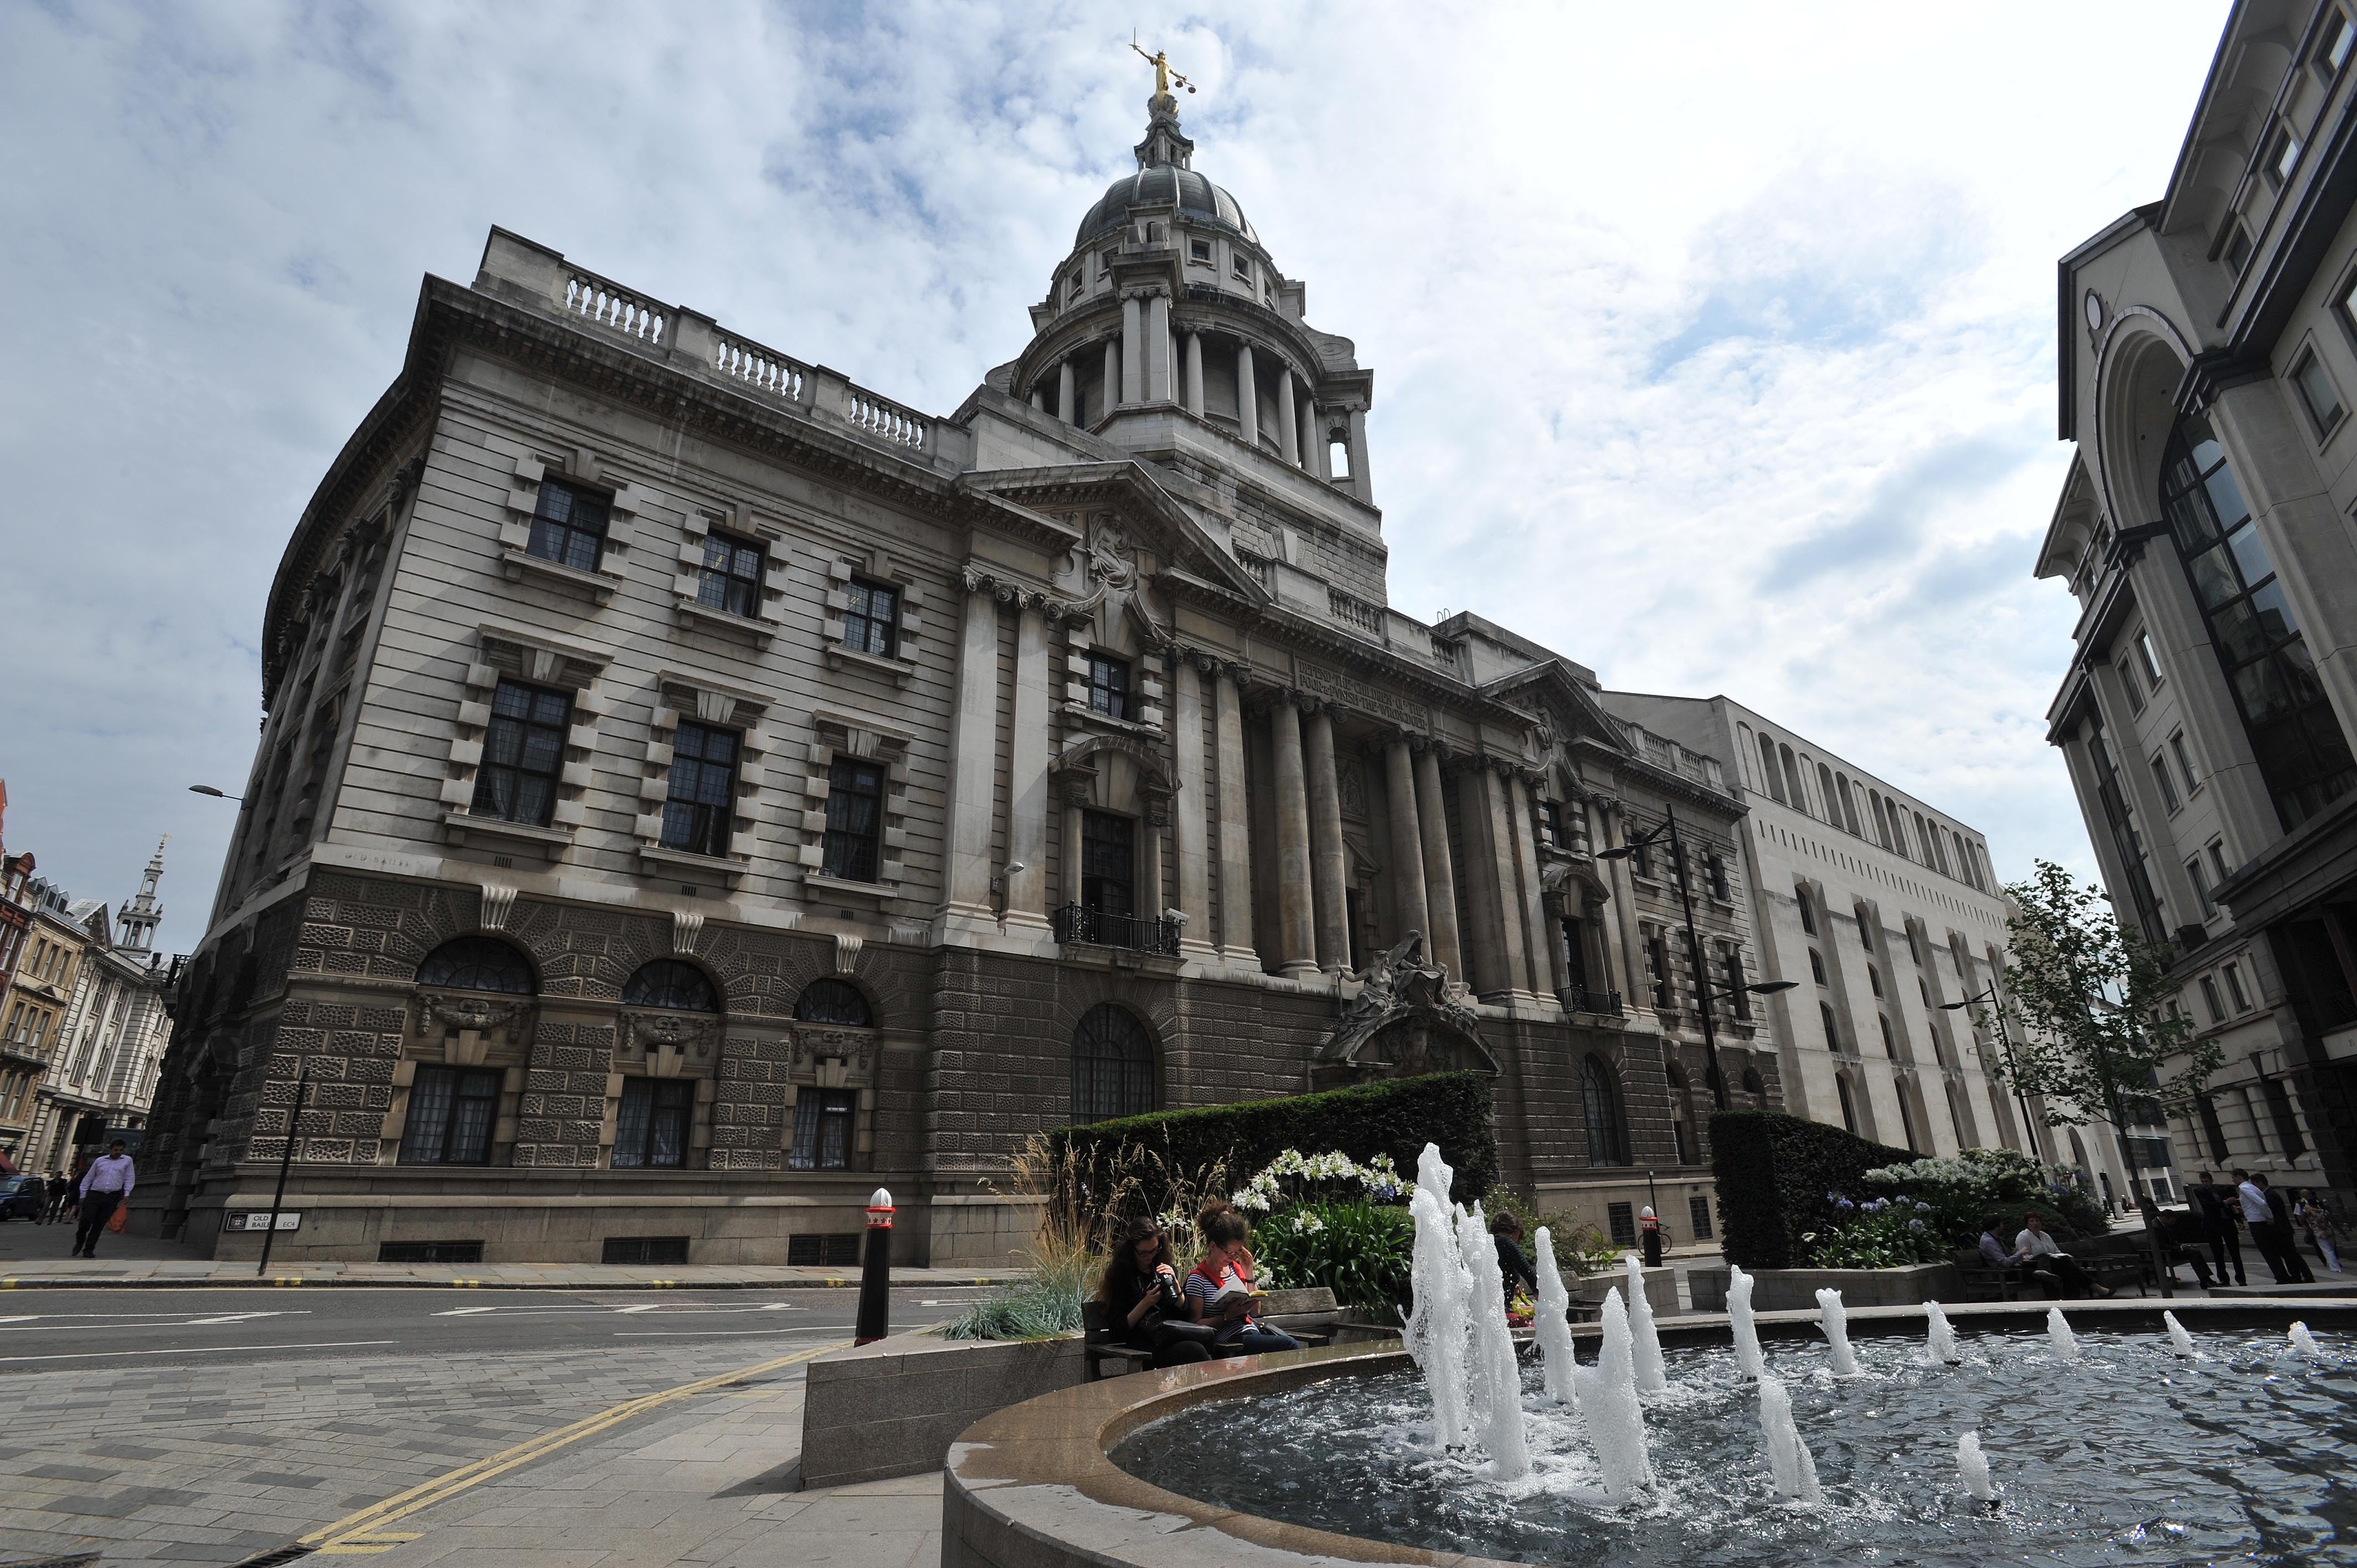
1312	1316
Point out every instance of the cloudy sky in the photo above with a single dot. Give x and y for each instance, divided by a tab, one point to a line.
1713	345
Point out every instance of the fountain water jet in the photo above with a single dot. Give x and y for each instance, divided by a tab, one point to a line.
2178	1339
1835	1324
2304	1342
2059	1335
1940	1342
1552	1327
1748	1358
1436	1331
1794	1472
1652	1374
1495	1388
1609	1408
1974	1463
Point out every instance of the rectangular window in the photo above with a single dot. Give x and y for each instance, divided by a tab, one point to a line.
2209	1000
731	580
2333	44
1865	928
2200	886
1912	950
2234	249
1731	965
871	618
523	755
2316	394
1109	687
2283	158
1817	967
703	789
643	1249
1808	916
822	1130
651	1131
2217	852
2151	658
1622	1219
1108	864
2128	684
1243	267
451	1110
2125	838
855	821
1698	1215
1642	859
1199	250
2168	785
2234	989
2184	763
1657	964
568	526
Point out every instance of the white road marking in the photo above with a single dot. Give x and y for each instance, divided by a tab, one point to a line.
788	1306
651	1306
708	1332
201	1350
465	1311
73	1326
229	1317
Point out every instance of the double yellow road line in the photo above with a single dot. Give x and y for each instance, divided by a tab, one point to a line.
364	1534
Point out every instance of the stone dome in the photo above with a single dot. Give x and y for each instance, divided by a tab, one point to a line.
1197	198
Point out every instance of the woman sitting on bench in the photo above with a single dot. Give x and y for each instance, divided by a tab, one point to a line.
1221	1293
2035	1253
1141	1296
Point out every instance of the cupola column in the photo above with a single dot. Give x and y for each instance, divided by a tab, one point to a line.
1064	389
1133	362
1313	454
1296	937
1247	397
1158	341
1195	374
1288	424
1361	485
1038	402
1112	376
1329	862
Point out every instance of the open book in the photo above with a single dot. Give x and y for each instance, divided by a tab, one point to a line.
1235	1300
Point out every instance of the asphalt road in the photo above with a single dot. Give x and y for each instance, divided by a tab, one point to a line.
62	1330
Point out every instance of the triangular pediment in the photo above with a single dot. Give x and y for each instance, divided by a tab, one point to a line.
1548	690
1081	497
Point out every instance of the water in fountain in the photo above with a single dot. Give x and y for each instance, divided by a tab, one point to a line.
1747	1359
1974	1463
2178	1339
1610	1410
1652	1376
1940	1343
1495	1388
1835	1324
1552	1325
2059	1335
1794	1472
1435	1334
2304	1342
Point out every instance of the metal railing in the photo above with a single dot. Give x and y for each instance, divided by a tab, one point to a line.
1578	999
1077	927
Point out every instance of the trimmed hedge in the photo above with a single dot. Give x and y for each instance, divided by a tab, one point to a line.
1397	1117
1773	1172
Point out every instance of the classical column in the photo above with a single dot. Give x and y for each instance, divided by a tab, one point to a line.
1288	423
1297	940
1407	849
1195	374
973	754
1362	484
1038	402
1112	376
1064	390
1158	341
1236	830
1133	356
1636	990
1188	839
1313	451
1157	817
1540	937
1498	956
1328	869
1076	801
1247	397
1026	789
1439	876
1551	922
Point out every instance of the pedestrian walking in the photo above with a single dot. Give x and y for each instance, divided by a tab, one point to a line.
2218	1213
60	1190
2314	1215
2260	1216
2279	1206
105	1185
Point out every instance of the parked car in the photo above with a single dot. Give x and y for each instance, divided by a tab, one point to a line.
22	1196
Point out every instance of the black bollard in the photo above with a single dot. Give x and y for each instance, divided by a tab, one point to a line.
1653	1239
876	1273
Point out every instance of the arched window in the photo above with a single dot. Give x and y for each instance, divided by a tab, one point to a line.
1112	1066
1768	765
1923	842
1874	808
1874	979
1956	1118
1848	1108
1744	742
1907	1122
668	983
1833	1036
1889	1046
1754	1087
2078	1152
1608	1128
834	1002
1681	1115
478	963
1832	797
1792	779
1848	804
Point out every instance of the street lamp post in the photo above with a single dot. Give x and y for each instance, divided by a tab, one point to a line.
1669	829
216	794
2012	1073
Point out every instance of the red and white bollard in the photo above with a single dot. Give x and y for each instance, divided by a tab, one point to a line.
876	1273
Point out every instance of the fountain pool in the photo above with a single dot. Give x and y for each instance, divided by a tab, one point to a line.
2125	1453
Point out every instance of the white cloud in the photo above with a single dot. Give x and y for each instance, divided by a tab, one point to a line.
1736	319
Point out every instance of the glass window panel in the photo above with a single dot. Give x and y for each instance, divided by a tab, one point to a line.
2214	576
630	1123
2273	612
2316	390
2239	637
423	1138
2251	553
2263	692
2225	497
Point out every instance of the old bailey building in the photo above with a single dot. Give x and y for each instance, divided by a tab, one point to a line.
697	789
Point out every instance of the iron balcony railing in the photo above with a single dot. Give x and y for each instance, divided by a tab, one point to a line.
1578	999
1079	927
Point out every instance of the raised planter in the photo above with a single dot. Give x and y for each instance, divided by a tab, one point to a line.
893	1408
1661	1289
1795	1290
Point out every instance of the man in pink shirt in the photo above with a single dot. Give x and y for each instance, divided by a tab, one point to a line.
106	1184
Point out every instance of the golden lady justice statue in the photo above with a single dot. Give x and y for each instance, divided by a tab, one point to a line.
1163	75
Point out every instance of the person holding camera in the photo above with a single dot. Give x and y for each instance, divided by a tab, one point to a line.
1143	1300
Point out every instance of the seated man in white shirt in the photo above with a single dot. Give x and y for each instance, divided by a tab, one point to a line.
2039	1251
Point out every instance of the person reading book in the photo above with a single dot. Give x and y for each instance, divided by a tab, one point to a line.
1221	1295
